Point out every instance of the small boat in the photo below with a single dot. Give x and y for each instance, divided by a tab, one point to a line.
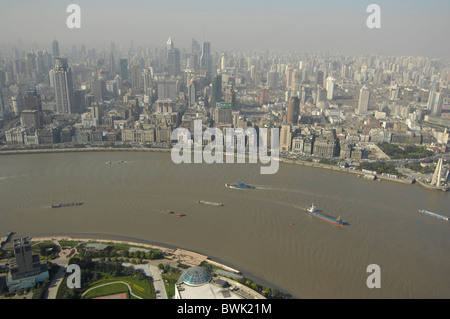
66	205
240	186
108	162
175	213
210	203
313	211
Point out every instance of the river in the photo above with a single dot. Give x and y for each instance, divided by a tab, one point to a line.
252	231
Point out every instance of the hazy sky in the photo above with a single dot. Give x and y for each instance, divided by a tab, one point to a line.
408	27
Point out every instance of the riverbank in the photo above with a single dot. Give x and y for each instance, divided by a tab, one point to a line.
143	149
184	256
84	149
345	170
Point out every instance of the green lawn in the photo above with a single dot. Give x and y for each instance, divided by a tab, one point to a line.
107	290
142	288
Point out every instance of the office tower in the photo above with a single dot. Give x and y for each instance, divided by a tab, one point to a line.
321	96
168	89
135	78
289	73
435	102
112	64
25	264
230	96
192	94
263	98
30	65
293	110
98	88
31	116
272	80
195	46
363	103
330	88
223	62
173	59
216	90
319	78
79	101
62	80
205	58
285	137
223	114
123	69
55	47
147	81
26	270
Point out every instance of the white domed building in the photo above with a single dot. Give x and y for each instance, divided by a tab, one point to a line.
197	283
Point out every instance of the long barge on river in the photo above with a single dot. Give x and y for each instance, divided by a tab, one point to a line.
313	211
433	214
66	205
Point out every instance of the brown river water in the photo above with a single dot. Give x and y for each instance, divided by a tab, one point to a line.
252	231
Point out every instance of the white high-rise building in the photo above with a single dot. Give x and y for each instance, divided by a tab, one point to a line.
363	103
61	75
435	101
330	87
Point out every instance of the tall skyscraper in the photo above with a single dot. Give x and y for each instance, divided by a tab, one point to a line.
173	59
216	90
272	80
55	47
293	110
135	78
98	88
435	102
123	66
192	93
319	78
285	137
364	97
330	87
205	58
62	81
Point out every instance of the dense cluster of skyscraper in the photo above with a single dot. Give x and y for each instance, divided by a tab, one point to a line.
336	102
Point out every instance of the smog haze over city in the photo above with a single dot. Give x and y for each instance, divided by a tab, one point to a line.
408	27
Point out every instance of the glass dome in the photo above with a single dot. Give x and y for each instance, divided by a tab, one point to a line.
195	276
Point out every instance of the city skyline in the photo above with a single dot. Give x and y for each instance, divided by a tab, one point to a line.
285	25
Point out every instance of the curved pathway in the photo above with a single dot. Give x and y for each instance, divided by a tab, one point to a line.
110	283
